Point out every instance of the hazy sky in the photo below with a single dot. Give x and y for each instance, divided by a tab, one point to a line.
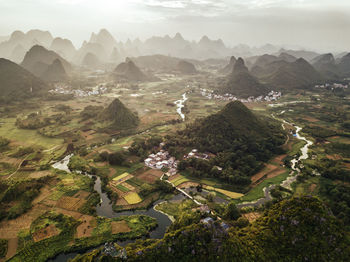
317	24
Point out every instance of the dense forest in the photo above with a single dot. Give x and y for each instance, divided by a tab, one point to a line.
297	229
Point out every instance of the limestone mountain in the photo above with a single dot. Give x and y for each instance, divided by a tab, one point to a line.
38	59
234	135
228	68
105	39
128	71
325	64
161	63
287	57
234	122
344	65
12	48
263	61
186	68
91	61
95	48
63	47
119	115
242	83
282	75
18	54
17	83
55	72
307	55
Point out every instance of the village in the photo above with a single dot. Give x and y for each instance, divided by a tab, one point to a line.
332	86
271	96
162	159
64	89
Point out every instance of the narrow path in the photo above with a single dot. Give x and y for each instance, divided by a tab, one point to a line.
12	247
182	191
19	166
48	150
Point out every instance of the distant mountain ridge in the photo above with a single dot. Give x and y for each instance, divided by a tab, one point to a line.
283	75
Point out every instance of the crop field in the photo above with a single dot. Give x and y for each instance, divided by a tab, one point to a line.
132	198
122	178
339	139
45	233
122	188
70	203
150	176
86	226
178	179
230	194
120	227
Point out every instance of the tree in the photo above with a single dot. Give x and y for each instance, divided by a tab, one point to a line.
231	212
116	158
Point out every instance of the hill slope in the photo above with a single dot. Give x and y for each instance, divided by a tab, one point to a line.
17	83
242	83
55	72
229	67
325	64
344	65
186	68
291	230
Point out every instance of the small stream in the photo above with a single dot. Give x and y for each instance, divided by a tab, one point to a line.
181	104
104	209
292	176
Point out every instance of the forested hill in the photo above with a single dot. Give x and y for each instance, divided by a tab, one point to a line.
240	140
119	115
298	229
234	124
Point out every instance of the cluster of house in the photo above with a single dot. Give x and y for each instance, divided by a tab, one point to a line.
110	250
61	88
271	96
162	159
209	221
194	153
332	86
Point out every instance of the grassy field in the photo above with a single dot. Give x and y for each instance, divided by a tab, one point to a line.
257	192
26	137
175	208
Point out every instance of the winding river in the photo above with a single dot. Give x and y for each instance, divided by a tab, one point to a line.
104	209
181	104
295	169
